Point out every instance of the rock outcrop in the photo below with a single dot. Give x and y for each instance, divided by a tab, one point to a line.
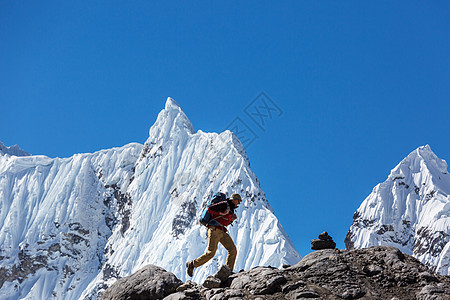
380	272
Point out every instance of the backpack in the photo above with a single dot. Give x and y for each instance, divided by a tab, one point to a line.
206	217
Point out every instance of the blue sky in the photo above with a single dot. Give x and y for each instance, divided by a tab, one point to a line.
359	86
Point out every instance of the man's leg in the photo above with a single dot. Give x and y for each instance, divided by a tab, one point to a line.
228	243
214	236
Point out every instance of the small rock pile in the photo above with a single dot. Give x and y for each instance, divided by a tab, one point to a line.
325	241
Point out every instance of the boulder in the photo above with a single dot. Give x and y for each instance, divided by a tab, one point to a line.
186	286
212	282
223	273
259	281
150	282
320	245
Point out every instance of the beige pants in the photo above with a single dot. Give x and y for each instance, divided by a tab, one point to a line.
215	236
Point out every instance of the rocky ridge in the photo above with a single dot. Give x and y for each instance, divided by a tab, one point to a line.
379	272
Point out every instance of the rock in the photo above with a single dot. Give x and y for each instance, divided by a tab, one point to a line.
325	237
188	285
313	258
150	282
354	293
372	270
293	286
218	296
240	281
176	296
431	292
189	294
318	244
271	286
232	293
259	281
380	272
305	295
324	242
212	282
427	276
223	273
430	289
221	294
213	294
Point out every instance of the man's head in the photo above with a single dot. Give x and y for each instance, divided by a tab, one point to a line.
236	198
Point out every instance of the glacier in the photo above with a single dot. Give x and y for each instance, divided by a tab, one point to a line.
410	210
70	227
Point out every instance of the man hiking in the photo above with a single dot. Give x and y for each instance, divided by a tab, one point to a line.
222	215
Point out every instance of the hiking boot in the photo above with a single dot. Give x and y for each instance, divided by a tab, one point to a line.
190	268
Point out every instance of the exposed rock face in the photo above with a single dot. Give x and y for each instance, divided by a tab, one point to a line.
380	272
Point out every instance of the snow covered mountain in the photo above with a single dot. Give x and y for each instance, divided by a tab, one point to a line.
13	150
69	227
410	210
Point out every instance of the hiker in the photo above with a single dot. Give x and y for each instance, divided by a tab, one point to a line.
222	214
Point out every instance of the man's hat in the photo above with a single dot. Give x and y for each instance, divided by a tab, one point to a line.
236	197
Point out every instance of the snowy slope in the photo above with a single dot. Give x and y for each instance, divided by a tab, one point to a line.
410	210
70	227
53	220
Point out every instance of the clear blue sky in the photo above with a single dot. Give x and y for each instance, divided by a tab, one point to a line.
360	86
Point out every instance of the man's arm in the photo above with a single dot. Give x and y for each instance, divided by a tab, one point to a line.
234	217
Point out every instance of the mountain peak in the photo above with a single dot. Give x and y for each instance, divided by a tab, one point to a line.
171	122
422	157
172	104
143	202
13	150
425	147
425	152
410	210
